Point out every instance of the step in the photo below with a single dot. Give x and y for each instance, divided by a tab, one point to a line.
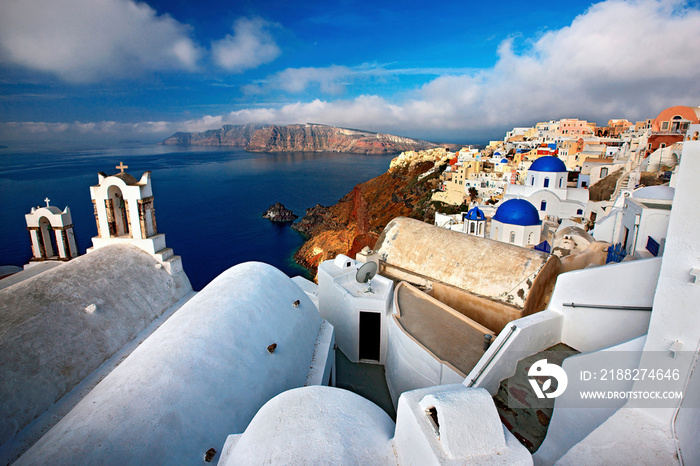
164	254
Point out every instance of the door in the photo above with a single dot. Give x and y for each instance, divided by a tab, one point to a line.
370	335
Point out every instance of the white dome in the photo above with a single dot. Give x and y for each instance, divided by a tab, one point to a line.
316	424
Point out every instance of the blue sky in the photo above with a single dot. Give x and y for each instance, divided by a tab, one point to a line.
103	71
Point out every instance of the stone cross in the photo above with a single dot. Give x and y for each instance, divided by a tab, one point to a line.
47	201
121	166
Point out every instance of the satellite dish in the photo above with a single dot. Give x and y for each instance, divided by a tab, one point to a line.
366	272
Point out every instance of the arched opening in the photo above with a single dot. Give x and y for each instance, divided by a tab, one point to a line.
561	182
604	172
117	212
546	182
512	237
676	123
472	228
481	228
543	205
495	234
47	239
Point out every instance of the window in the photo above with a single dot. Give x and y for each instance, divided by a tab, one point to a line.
471	227
664	126
662	145
561	181
604	172
532	181
579	212
546	182
543	205
512	237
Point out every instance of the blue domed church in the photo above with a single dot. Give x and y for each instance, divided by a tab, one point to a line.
474	222
545	188
516	221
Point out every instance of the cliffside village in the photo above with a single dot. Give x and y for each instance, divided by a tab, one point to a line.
111	358
532	188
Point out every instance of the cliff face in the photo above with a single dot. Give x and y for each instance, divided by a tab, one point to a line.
302	138
228	135
359	217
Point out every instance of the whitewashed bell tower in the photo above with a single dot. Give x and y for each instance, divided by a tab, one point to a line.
124	213
51	232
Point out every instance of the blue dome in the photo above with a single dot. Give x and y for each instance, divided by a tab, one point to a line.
504	160
548	163
517	212
475	214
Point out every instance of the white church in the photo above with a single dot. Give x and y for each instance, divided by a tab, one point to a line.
546	188
111	358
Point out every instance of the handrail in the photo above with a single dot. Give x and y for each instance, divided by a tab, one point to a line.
609	306
512	330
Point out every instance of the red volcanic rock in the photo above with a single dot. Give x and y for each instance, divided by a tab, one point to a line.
360	216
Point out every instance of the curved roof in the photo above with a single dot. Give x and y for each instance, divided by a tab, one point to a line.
316	424
517	212
504	160
688	113
654	192
50	336
475	214
548	163
478	265
126	178
202	375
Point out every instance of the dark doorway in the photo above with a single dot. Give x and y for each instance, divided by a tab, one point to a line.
370	335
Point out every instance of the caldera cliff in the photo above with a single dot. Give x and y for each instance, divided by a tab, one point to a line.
359	217
299	138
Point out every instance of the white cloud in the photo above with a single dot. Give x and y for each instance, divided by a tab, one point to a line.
330	80
625	59
620	59
251	45
87	40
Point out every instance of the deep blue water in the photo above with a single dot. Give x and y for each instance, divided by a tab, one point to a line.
208	202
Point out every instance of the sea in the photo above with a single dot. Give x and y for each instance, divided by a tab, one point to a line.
208	201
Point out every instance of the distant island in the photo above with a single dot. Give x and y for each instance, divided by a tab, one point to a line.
301	138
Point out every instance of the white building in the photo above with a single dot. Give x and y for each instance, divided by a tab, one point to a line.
640	224
546	188
124	214
472	222
516	222
51	232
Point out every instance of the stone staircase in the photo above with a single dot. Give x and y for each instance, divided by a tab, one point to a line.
628	181
171	263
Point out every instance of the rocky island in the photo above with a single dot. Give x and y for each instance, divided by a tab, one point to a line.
279	213
300	138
